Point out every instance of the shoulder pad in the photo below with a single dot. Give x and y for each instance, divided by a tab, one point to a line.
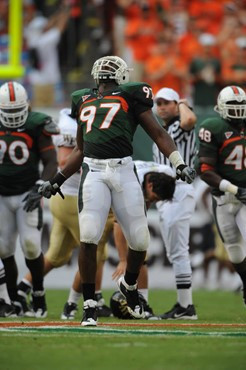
78	97
50	127
40	120
213	124
130	87
139	91
81	95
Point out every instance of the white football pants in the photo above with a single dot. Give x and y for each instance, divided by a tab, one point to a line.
112	183
175	218
15	221
230	217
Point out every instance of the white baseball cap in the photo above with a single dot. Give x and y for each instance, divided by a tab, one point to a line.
167	94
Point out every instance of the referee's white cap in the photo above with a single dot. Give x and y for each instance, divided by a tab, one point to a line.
167	94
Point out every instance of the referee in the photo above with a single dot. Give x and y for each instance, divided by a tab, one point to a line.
179	121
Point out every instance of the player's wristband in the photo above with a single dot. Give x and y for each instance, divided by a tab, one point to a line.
58	179
226	185
176	159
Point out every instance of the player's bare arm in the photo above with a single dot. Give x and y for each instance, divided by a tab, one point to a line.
157	133
62	155
208	173
166	145
215	180
47	156
122	248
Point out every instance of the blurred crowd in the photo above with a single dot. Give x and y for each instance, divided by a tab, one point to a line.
193	46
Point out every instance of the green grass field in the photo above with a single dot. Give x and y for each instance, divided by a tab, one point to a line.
217	340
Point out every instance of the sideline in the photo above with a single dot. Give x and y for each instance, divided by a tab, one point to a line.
11	324
58	327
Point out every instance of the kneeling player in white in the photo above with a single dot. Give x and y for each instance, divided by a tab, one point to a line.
158	183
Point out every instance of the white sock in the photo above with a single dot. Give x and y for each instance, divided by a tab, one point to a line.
184	297
145	293
74	296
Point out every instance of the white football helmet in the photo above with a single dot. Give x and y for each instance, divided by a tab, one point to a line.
231	103
13	105
110	67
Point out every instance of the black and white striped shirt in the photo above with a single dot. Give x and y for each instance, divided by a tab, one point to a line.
184	140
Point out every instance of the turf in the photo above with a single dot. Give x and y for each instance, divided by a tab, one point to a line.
217	340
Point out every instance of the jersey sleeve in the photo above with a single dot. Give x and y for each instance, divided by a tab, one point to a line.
141	95
208	141
42	123
78	97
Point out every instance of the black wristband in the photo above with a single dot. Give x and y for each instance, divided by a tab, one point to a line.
58	179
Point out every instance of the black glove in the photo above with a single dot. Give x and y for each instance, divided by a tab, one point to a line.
185	173
32	199
241	195
49	188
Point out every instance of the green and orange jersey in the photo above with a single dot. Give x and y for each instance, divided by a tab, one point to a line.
227	144
109	120
20	154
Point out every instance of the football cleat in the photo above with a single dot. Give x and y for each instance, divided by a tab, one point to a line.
21	307
180	313
39	304
90	313
134	305
102	309
69	311
6	310
148	311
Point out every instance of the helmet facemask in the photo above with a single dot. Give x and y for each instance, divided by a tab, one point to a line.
110	68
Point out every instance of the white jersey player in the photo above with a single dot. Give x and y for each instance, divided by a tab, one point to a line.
67	140
143	168
158	183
